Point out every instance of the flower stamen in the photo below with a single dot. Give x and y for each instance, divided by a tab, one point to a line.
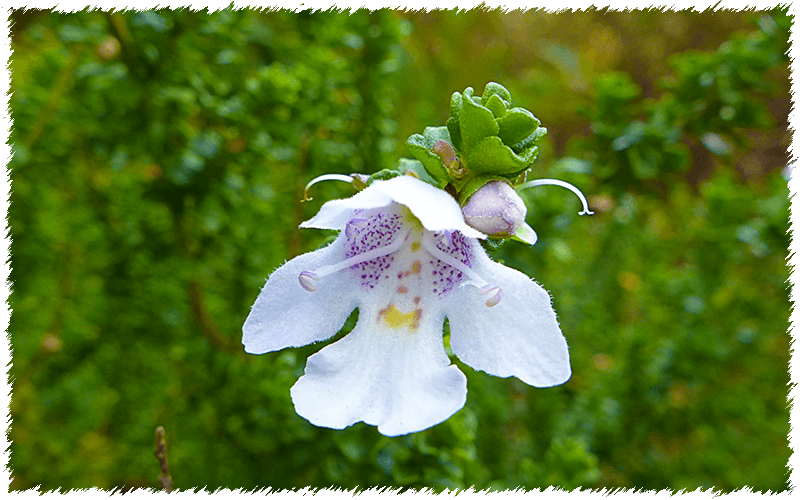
308	277
484	287
556	182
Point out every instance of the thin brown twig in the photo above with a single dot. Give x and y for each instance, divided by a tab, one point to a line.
203	319
164	479
130	53
57	94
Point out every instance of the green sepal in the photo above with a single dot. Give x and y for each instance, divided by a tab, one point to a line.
383	175
475	184
525	234
491	156
421	146
492	244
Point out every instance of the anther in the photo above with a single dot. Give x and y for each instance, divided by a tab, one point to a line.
496	291
556	182
307	279
447	236
496	298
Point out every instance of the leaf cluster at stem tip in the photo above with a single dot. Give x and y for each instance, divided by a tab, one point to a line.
485	139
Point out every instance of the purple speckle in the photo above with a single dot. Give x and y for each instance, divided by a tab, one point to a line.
372	230
377	228
457	247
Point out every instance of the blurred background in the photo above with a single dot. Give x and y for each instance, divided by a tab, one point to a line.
159	160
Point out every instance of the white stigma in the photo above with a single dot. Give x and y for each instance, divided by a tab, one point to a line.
556	182
328	177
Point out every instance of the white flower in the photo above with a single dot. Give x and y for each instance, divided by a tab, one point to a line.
407	260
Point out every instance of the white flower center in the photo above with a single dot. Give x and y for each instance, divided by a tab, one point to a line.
390	254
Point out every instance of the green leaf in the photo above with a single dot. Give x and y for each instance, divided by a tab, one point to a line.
405	165
716	144
516	125
633	134
495	89
421	147
476	123
530	141
496	106
453	125
491	156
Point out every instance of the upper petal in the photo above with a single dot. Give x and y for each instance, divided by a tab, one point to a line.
286	315
398	379
436	209
518	337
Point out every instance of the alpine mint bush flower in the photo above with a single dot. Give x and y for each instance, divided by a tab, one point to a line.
406	258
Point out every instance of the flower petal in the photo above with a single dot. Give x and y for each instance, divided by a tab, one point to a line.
400	380
286	315
518	337
335	214
436	209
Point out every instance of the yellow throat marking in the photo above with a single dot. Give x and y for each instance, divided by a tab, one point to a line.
395	319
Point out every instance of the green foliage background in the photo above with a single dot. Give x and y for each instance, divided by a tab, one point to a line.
159	160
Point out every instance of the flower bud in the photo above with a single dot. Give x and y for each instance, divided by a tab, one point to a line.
495	210
450	160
